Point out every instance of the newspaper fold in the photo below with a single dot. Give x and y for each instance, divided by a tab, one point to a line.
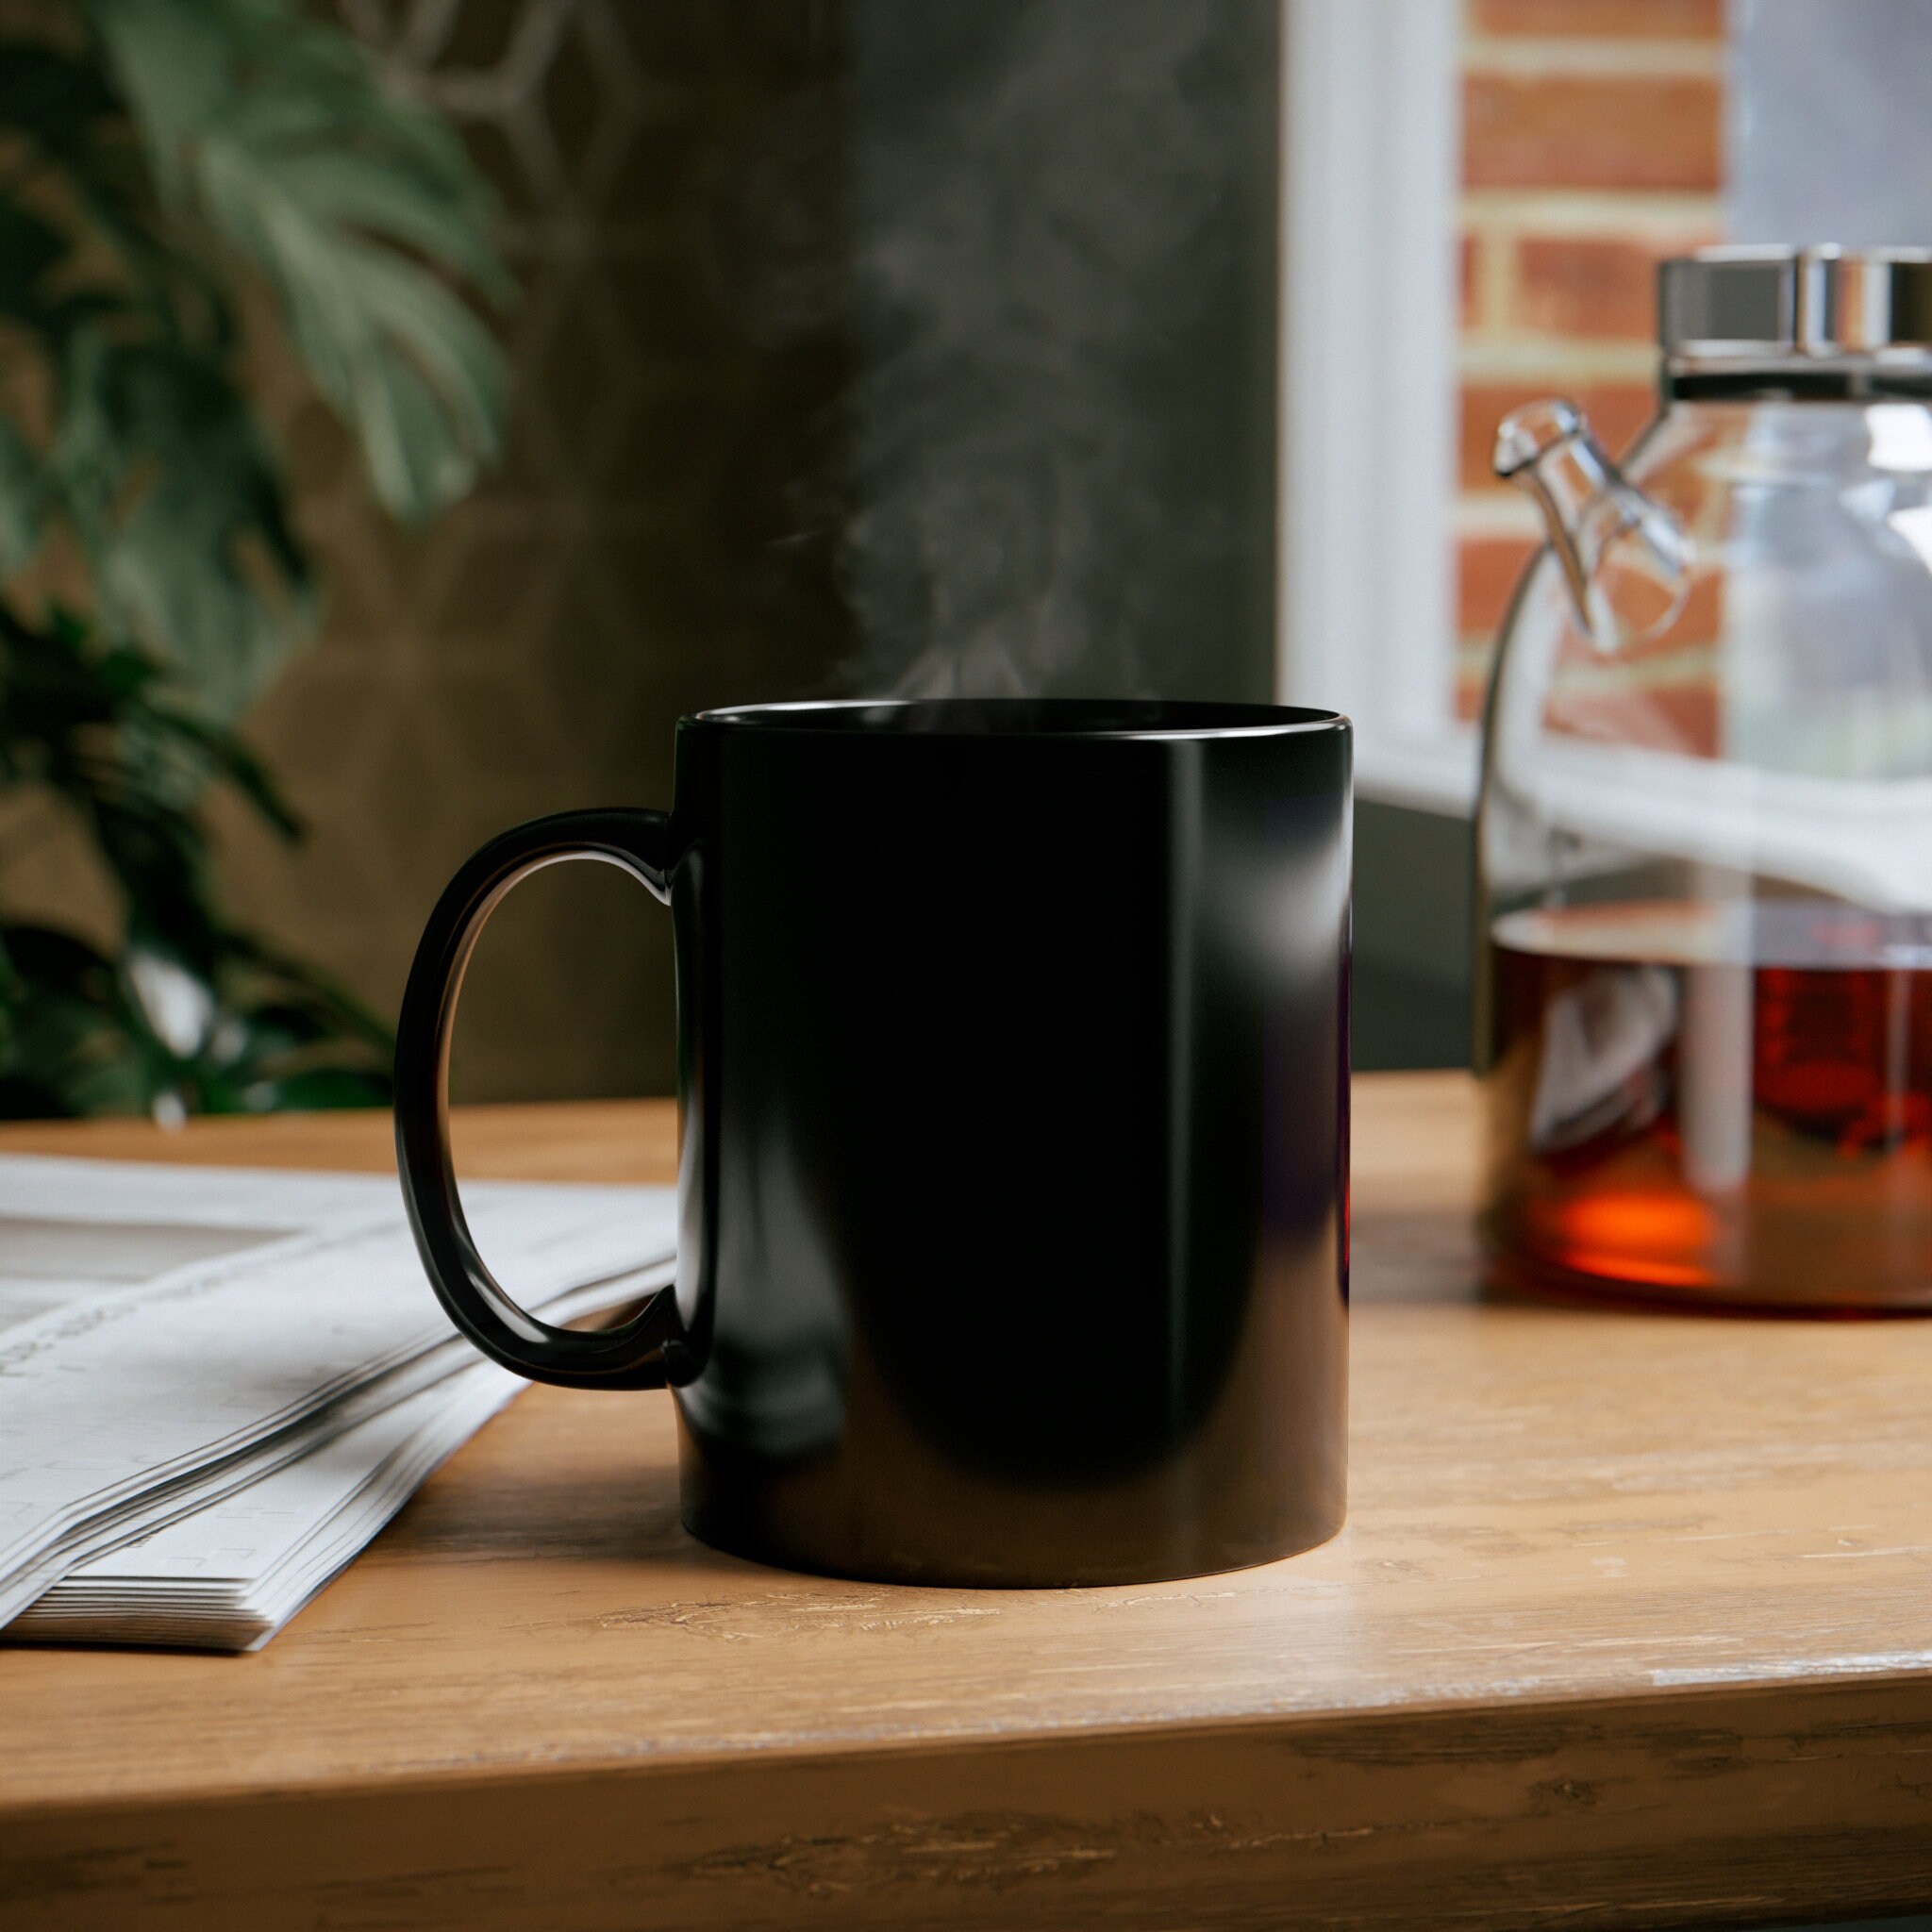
216	1385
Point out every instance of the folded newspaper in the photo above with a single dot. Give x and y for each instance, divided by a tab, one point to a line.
216	1385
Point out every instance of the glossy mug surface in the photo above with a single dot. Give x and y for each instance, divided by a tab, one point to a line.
1013	1083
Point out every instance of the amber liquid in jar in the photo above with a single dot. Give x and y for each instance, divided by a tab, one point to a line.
1725	1103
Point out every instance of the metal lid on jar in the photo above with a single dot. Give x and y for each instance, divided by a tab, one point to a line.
1790	304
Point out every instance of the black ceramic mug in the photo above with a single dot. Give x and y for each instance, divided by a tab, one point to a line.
1013	1084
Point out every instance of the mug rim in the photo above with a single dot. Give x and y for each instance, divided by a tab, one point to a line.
1025	718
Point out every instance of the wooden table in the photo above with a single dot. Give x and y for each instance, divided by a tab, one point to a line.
1631	1624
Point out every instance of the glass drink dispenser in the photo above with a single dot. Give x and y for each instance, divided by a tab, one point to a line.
1705	836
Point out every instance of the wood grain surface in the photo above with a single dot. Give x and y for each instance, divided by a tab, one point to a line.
1630	1625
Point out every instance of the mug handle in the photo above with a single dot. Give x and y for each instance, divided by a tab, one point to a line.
629	1357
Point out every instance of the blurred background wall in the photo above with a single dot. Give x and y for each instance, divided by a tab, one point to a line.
891	345
863	346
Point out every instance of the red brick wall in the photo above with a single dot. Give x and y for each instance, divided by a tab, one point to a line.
1591	148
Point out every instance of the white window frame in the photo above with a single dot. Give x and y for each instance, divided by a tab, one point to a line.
1371	186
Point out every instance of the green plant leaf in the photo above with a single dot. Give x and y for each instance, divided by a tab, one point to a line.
30	247
67	1047
280	137
53	98
231	760
23	500
364	191
179	502
172	63
147	160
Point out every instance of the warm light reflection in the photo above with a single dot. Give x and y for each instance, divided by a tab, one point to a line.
1659	1239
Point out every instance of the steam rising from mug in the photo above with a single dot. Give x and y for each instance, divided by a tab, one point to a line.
1061	432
